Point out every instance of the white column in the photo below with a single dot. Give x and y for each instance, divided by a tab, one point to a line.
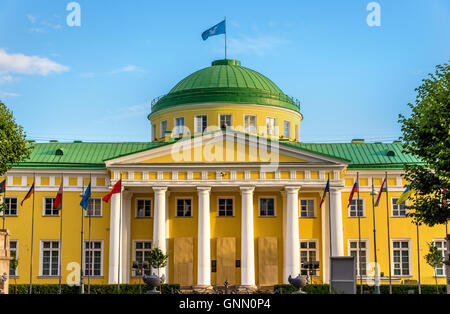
247	238
126	235
159	222
291	265
204	238
325	243
337	235
114	239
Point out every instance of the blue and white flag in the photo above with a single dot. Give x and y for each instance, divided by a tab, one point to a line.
215	30
87	195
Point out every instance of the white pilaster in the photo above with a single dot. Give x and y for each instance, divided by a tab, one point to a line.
126	235
159	222
337	235
291	265
247	238
325	243
114	239
204	238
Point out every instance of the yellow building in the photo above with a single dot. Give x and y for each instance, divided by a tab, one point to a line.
225	187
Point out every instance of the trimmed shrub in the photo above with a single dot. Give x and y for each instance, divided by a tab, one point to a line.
384	289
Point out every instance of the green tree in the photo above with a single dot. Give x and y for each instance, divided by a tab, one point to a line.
426	135
157	259
435	259
13	145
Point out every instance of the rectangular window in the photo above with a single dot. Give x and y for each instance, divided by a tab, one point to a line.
352	209
14	252
400	256
11	206
163	128
287	128
442	247
154	131
179	126
398	210
184	207
308	253
271	124
143	208
141	254
267	207
306	208
49	258
94	207
297	132
225	121
48	207
201	123
354	251
225	207
250	124
93	258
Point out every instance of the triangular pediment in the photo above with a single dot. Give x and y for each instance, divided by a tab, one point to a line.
226	147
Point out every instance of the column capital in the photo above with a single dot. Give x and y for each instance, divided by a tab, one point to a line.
203	188
336	188
292	188
159	188
247	188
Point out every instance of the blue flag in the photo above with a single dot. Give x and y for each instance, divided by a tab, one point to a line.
87	195
215	30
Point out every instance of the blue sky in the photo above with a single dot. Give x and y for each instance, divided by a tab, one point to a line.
95	82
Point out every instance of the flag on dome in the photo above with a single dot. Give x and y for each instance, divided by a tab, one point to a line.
215	30
116	189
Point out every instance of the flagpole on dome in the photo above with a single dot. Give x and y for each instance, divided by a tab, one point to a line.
60	230
388	234
377	283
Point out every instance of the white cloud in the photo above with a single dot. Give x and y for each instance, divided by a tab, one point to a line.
254	45
22	64
6	79
42	25
128	68
8	94
31	18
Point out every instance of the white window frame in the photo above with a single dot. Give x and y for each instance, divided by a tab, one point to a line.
367	250
233	207
162	133
392	207
226	114
300	207
288	124
248	128
136	214
443	251
196	117
317	251
275	131
41	258
17	257
409	257
176	130
101	207
192	206
44	202
101	257
274	207
9	207
363	199
133	273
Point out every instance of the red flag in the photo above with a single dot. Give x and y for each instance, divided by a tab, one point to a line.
57	203
382	189
354	189
116	189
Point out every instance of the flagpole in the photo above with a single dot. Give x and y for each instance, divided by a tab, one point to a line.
60	232
90	245
359	235
4	202
329	227
82	242
32	237
418	254
388	233
225	20
377	283
120	235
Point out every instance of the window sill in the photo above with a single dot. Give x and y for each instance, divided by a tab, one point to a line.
47	276
184	217
308	217
267	216
356	217
143	217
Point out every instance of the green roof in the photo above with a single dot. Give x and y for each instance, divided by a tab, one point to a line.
226	81
94	155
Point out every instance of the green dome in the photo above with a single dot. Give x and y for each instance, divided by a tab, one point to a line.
226	81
